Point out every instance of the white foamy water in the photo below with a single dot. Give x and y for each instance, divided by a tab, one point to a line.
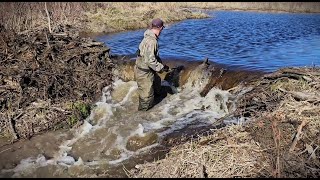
103	137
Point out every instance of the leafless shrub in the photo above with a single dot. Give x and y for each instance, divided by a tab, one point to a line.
21	16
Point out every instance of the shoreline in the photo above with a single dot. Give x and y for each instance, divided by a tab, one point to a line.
203	10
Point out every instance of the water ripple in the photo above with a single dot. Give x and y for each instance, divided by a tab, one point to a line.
250	40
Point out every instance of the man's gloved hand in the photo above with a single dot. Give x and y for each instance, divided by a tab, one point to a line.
179	68
165	68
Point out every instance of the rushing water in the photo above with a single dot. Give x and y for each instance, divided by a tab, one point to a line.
116	134
246	40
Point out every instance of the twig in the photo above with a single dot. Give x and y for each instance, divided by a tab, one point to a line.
277	137
18	116
48	16
47	40
59	109
61	34
5	150
127	171
201	171
278	76
304	96
49	48
298	135
11	128
312	151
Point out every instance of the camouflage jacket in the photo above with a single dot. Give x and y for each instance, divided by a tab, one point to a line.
149	53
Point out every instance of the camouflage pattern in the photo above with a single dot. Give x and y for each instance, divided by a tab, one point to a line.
149	85
148	63
149	52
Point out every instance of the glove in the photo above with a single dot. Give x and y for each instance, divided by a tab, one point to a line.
165	68
179	68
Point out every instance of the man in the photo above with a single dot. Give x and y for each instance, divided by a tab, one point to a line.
148	63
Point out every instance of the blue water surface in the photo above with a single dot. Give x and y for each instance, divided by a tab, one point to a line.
246	40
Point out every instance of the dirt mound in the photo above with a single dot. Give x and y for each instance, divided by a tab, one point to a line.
280	140
49	78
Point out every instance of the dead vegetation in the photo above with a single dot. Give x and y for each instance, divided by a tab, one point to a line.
113	16
292	7
90	17
49	78
281	140
229	152
21	16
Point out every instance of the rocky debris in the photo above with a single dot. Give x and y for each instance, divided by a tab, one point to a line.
44	74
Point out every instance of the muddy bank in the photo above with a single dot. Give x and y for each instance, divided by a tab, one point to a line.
49	80
280	138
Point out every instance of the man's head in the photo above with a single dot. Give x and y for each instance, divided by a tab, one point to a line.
157	26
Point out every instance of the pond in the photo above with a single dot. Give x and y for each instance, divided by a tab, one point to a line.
241	40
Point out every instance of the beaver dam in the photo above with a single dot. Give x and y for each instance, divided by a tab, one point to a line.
69	109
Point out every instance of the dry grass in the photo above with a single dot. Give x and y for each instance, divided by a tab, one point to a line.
298	7
119	16
229	152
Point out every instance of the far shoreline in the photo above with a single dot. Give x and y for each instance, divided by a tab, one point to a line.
203	10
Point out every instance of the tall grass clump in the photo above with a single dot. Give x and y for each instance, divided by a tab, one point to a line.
119	16
293	7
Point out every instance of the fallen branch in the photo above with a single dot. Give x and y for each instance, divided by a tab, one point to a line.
11	128
5	150
61	110
298	135
202	171
60	34
277	137
277	76
310	97
307	78
300	71
47	40
90	44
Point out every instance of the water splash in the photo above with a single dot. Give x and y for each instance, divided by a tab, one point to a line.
115	131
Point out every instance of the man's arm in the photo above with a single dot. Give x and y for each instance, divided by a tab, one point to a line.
152	59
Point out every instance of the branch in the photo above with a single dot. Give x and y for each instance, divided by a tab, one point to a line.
45	4
304	96
298	135
47	40
11	127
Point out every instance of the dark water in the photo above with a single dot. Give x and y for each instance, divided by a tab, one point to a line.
245	40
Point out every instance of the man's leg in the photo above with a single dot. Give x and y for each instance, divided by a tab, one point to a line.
145	90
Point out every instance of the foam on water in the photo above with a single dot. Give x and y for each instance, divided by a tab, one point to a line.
118	118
